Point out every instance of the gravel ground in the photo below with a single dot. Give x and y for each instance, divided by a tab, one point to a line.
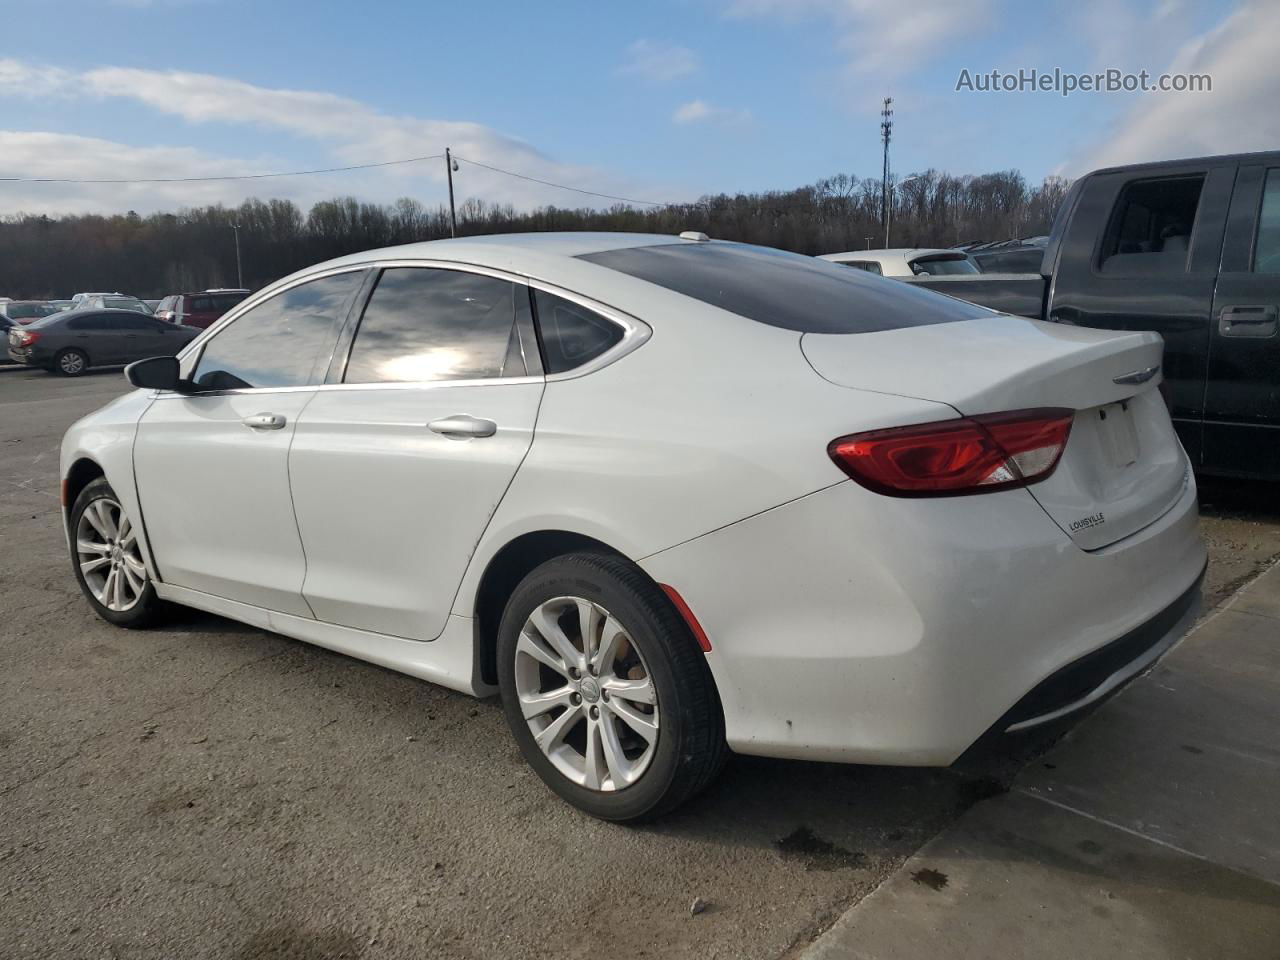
209	790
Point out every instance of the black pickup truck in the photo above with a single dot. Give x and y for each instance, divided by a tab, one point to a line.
1190	249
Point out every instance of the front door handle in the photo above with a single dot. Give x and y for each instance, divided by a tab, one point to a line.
461	427
264	421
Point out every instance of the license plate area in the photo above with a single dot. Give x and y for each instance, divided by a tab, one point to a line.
1118	433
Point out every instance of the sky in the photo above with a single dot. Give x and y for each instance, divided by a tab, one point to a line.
665	101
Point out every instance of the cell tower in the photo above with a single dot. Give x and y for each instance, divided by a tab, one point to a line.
886	134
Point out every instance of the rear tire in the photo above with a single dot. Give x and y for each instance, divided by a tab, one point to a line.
71	362
630	733
107	561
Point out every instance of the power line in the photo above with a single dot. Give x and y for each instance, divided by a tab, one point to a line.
243	176
561	186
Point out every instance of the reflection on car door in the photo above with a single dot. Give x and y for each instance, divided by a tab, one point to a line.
396	473
212	467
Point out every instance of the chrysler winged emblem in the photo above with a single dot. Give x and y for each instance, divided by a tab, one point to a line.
1138	376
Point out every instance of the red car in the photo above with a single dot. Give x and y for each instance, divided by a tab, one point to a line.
198	309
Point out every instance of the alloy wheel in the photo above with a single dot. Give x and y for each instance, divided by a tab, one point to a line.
586	694
71	362
109	556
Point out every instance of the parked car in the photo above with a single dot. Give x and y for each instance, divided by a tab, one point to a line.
199	309
26	311
63	304
119	302
1191	250
1022	255
77	298
671	496
72	341
907	262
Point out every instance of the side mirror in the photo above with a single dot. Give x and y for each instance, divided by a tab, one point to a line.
157	373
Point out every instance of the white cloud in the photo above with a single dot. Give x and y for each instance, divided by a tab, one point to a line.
1238	115
884	39
699	111
659	62
349	132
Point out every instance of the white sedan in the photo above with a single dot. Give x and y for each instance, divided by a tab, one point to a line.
669	497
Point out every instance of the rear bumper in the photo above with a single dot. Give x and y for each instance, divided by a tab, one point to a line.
850	627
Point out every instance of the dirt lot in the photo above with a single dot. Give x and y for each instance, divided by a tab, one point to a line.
208	790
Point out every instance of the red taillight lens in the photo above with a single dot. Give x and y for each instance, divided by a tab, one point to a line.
953	457
26	338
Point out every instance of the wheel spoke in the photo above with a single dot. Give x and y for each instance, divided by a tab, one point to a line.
642	723
555	731
135	564
546	625
126	528
534	648
91	565
610	634
619	768
108	589
589	622
597	762
108	521
536	704
95	520
92	546
119	593
133	580
637	691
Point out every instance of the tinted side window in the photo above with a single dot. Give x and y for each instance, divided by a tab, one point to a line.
428	324
1151	226
97	321
282	342
138	322
201	304
571	334
1266	250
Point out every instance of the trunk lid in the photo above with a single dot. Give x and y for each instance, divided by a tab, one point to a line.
1123	466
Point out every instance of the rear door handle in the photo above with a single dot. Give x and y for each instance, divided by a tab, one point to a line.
1257	321
264	421
461	427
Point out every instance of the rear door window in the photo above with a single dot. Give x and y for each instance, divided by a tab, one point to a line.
285	341
94	321
943	266
425	324
785	289
870	266
1151	227
1266	248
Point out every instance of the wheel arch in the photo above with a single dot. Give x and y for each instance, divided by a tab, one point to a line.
504	571
82	472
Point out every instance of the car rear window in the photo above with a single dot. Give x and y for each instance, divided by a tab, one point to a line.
785	289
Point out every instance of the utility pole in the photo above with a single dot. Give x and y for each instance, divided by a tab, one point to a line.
451	165
239	272
886	134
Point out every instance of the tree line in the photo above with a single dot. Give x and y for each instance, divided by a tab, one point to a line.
151	256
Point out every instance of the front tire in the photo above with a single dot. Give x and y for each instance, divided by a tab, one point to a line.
71	362
606	692
107	559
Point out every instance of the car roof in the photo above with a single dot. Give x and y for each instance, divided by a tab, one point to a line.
552	257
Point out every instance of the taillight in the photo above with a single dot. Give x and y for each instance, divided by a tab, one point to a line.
27	337
955	457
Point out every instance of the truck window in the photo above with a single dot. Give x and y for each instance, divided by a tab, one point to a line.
1266	248
1151	227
